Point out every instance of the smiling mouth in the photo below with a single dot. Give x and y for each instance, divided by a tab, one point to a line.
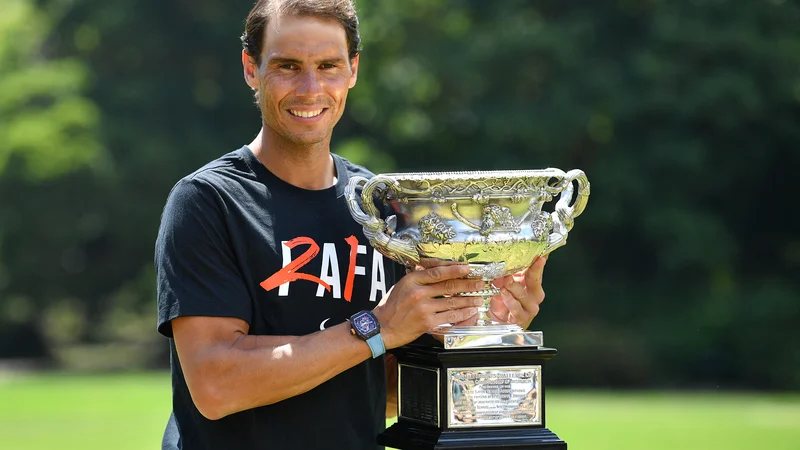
306	114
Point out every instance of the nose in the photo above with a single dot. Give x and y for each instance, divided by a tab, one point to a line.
309	84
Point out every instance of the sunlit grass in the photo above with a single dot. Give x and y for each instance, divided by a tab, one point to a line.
129	411
66	412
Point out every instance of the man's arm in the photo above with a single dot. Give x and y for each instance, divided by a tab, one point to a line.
228	371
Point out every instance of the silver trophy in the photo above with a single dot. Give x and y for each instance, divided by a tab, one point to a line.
492	220
485	383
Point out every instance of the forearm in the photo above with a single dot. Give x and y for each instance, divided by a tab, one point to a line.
261	370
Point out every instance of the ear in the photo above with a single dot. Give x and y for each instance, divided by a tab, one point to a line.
250	71
354	69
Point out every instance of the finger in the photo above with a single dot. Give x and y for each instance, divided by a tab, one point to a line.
453	316
455	302
529	296
472	320
514	306
454	286
516	289
498	308
533	275
441	273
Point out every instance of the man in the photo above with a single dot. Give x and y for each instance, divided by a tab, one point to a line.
260	265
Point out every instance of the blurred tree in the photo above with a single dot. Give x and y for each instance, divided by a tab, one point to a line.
48	133
46	121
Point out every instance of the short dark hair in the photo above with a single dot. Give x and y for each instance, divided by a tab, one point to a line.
342	11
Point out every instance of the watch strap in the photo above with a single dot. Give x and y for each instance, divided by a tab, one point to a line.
376	345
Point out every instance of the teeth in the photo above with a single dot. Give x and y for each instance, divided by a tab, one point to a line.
305	113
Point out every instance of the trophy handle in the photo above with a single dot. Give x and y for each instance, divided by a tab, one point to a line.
400	250
564	216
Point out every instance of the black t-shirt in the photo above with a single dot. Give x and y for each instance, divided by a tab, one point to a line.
231	234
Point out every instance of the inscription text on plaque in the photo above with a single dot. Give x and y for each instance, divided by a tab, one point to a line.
494	396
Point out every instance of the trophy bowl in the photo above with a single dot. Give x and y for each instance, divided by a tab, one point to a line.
494	221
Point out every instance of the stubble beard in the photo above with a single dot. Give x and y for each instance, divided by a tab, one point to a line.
292	142
287	138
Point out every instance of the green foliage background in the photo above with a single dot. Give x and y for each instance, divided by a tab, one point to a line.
682	272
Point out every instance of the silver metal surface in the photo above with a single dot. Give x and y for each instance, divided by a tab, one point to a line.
492	220
400	412
494	396
496	337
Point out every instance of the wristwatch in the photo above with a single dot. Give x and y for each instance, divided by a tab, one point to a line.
366	327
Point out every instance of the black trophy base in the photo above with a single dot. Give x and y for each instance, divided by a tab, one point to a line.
406	436
428	412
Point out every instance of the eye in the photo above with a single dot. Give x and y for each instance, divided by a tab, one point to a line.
327	66
288	66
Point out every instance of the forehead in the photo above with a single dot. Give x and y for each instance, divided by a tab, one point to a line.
304	36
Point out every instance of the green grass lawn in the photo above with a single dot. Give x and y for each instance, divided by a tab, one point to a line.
128	412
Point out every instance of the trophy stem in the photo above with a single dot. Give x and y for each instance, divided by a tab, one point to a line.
484	318
483	312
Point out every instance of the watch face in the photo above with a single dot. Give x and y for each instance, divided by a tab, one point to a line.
365	324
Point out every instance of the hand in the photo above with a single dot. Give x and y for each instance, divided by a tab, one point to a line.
520	294
411	307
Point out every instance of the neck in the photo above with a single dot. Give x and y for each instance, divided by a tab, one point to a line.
307	167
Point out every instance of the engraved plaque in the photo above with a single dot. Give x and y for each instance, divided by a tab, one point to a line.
418	394
494	396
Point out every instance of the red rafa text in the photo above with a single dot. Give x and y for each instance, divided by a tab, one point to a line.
329	279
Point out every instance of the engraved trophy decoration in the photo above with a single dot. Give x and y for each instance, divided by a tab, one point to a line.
478	385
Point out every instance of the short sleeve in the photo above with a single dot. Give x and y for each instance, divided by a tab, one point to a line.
196	269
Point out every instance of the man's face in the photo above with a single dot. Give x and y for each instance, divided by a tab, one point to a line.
303	79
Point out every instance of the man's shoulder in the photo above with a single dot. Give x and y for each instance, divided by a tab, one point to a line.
214	175
231	164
